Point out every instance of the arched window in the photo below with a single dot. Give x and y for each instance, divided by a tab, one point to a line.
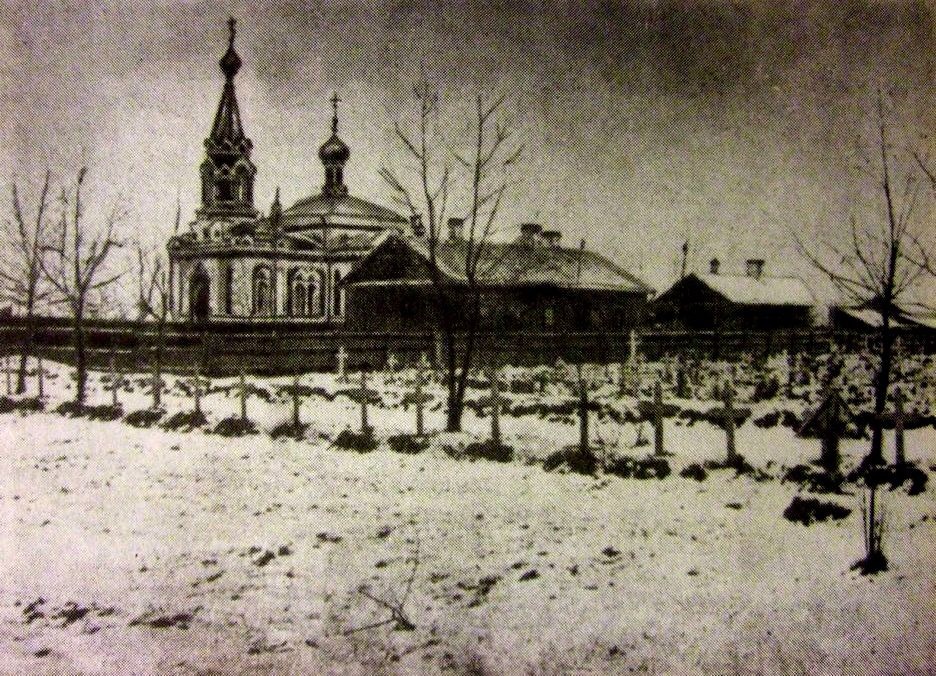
338	295
261	290
199	295
294	306
311	307
229	289
322	294
300	308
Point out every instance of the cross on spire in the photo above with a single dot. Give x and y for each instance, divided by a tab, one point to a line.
232	29
335	101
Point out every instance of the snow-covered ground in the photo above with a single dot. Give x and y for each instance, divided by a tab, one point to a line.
128	550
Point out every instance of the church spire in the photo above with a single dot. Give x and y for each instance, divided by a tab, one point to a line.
334	154
227	173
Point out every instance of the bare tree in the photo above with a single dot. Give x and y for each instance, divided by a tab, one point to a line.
73	264
153	306
881	264
20	271
439	170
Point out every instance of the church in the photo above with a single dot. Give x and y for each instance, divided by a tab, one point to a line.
236	265
336	261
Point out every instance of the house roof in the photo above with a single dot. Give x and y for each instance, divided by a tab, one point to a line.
763	290
872	318
520	263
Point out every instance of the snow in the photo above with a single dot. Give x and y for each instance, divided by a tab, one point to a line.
136	525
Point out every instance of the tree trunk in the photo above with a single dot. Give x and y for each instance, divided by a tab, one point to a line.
881	385
81	360
26	352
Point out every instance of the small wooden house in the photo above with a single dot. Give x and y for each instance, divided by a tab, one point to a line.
752	301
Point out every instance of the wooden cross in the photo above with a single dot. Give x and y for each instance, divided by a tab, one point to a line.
196	387
495	408
365	427
731	451
419	401
658	419
40	375
295	402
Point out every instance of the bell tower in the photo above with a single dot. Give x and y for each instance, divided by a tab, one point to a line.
227	174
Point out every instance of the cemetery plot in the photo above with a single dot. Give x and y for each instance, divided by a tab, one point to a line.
298	521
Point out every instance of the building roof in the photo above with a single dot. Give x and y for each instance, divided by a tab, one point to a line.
519	263
763	290
338	210
872	318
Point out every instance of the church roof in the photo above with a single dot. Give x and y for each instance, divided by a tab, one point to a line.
339	210
227	132
519	263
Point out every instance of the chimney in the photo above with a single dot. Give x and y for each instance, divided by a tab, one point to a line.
456	228
552	237
530	231
713	266
755	267
416	225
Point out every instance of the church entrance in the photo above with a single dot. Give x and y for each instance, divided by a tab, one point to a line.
199	298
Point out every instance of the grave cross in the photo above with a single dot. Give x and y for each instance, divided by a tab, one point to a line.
196	387
657	413
731	451
827	421
40	376
495	407
365	427
419	400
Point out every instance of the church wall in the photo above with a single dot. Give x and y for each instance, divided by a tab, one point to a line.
312	273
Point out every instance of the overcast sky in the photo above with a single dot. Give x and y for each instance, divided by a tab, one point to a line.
644	124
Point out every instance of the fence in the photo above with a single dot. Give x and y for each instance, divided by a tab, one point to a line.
273	350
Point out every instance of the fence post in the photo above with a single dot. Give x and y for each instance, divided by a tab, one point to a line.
658	419
583	418
900	456
9	374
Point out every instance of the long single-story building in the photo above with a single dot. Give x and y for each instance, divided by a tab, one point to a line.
532	283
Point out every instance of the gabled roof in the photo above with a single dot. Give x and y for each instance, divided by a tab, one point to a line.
519	263
763	290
